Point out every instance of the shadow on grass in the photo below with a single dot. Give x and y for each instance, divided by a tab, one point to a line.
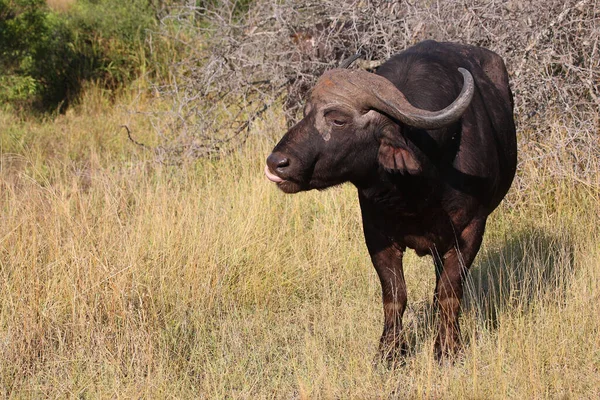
529	266
532	264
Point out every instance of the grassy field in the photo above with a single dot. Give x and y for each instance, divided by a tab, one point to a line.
125	278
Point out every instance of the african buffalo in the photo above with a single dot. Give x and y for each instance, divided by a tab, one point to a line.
426	179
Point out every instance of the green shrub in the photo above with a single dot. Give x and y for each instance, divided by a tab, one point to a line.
46	56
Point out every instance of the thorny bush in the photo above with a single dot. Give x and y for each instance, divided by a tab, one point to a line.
242	62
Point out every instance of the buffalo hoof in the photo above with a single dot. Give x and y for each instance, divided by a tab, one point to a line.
392	356
447	351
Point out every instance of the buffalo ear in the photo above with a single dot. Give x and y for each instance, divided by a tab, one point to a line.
398	159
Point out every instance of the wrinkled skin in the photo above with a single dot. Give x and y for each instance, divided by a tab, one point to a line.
428	189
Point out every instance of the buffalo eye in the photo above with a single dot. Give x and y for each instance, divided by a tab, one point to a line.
336	118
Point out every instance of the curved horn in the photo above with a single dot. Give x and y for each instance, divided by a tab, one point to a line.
348	61
395	104
376	92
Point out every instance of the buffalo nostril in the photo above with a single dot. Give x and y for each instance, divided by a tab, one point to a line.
277	160
282	163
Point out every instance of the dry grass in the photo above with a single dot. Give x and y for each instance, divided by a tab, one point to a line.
60	5
124	278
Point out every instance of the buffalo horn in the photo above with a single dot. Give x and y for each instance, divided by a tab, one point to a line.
348	61
389	100
375	92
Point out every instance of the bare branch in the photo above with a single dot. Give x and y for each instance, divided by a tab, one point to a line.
234	65
133	140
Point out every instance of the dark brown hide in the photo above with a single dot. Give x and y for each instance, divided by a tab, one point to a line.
427	182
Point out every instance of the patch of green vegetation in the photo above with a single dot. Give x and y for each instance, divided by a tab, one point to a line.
46	56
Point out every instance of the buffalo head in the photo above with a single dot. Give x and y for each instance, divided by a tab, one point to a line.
348	125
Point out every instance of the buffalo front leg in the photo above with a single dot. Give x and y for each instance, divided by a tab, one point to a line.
387	260
451	271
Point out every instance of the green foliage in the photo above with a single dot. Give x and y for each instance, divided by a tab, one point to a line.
46	55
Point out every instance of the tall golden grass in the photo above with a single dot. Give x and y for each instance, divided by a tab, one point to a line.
125	278
60	5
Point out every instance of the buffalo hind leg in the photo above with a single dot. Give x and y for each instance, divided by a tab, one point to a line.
450	273
387	260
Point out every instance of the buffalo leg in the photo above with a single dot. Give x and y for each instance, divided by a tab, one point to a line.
450	273
387	260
